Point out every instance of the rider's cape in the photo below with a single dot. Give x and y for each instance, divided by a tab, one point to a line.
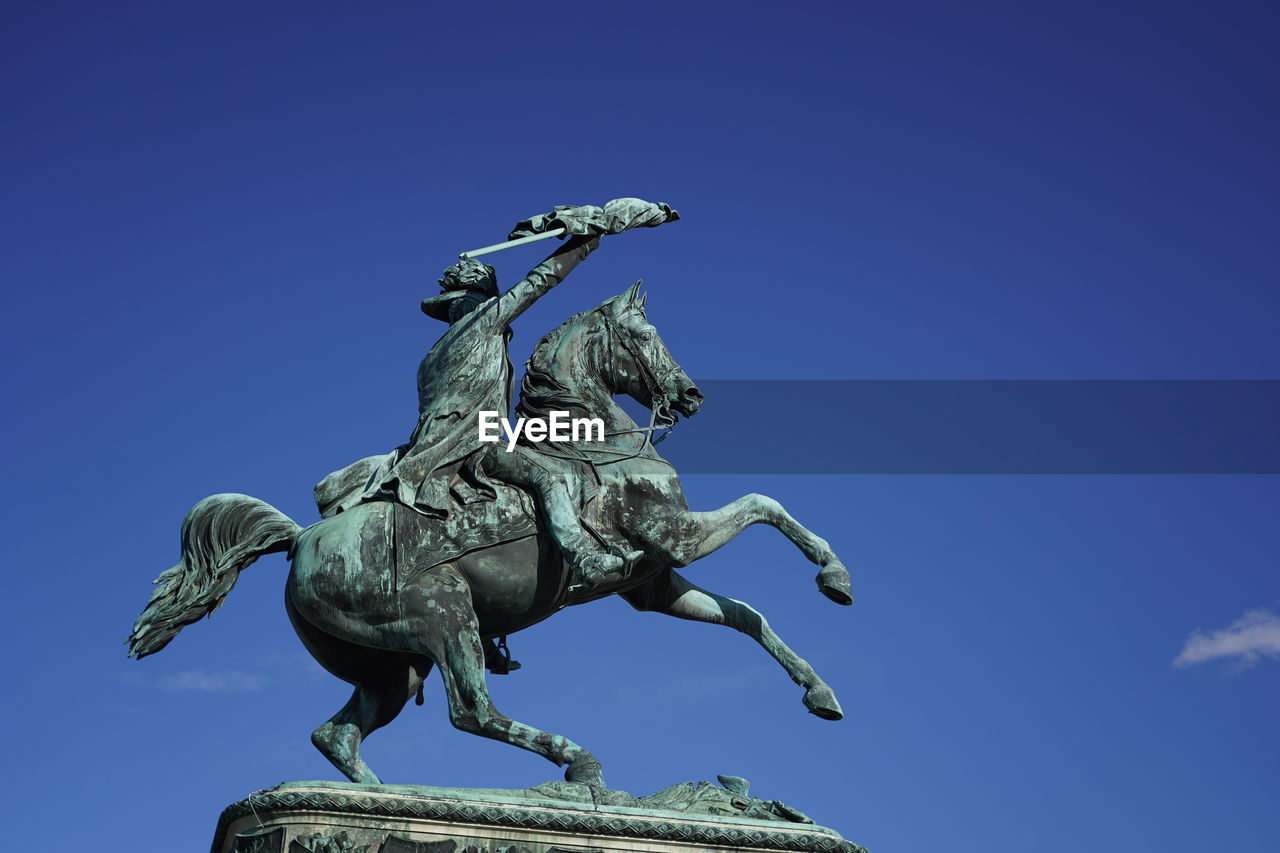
467	371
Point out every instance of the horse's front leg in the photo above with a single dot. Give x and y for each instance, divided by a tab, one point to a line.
675	595
693	535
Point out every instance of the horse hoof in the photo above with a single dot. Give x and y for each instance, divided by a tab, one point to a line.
585	771
821	702
833	582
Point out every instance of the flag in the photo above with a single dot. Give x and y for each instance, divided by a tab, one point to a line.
615	217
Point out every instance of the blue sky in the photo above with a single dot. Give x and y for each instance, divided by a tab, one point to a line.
218	222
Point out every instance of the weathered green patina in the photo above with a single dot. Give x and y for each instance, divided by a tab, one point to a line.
406	572
558	817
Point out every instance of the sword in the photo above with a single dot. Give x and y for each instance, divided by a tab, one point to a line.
498	247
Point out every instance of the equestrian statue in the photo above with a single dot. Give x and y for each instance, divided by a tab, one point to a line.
430	555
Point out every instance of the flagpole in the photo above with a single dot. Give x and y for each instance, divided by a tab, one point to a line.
498	247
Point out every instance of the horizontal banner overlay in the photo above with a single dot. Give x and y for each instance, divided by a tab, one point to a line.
980	427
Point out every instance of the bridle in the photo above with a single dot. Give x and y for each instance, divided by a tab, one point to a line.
655	384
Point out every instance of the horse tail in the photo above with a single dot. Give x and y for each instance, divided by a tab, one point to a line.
221	535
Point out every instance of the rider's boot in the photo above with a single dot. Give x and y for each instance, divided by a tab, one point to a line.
593	568
590	564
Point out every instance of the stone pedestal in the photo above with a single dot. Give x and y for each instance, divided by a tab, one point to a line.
331	817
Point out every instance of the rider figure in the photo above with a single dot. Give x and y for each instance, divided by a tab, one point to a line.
467	371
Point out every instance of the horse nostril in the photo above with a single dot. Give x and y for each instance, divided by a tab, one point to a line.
693	394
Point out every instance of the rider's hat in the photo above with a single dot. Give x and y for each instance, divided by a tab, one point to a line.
466	276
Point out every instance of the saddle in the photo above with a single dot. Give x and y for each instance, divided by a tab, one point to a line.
424	542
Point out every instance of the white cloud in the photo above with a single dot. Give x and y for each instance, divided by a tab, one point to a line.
1253	636
299	664
212	682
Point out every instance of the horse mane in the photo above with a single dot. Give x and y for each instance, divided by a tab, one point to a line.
541	391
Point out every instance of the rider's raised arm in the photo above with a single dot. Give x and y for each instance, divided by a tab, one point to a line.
545	276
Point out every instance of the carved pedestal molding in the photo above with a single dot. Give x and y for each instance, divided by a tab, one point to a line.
330	817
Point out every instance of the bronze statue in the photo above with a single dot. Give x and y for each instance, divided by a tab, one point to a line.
427	554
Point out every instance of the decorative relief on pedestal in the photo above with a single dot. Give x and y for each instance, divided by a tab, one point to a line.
322	843
262	841
397	844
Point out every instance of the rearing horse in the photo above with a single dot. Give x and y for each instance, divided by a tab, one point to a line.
379	614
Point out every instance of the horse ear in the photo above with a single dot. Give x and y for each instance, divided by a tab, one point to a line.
631	295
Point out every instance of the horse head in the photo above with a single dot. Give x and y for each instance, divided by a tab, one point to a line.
614	348
642	366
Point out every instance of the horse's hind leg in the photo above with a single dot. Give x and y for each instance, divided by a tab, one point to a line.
339	739
383	681
449	632
370	707
677	596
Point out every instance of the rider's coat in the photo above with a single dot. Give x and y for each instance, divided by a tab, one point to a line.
467	371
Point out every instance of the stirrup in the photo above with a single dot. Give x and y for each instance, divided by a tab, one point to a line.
497	657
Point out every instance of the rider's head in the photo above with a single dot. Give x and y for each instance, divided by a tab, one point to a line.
470	274
465	285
